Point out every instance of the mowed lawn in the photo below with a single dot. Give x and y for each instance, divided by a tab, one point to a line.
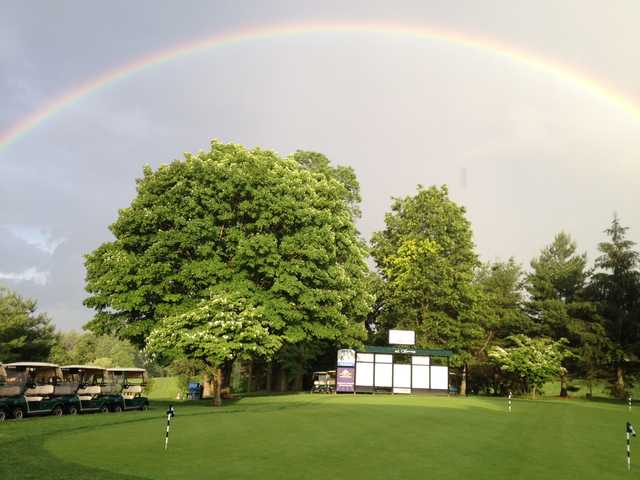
326	436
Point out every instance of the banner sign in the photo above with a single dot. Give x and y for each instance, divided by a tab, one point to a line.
402	337
345	381
346	358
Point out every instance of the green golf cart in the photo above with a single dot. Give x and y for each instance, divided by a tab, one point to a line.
97	389
133	382
35	388
12	386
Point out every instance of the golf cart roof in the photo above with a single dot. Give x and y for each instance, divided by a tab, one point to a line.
31	365
83	367
127	370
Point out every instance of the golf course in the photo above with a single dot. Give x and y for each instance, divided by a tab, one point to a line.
321	436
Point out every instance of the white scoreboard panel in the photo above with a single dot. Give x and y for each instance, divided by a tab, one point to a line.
439	378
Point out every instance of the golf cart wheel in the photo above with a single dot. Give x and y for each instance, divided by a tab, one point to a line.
17	413
57	411
104	409
3	415
72	410
144	407
117	408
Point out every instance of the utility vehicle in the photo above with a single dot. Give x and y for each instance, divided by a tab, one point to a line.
133	382
97	389
32	388
324	382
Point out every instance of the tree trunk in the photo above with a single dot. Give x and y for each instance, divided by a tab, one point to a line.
250	376
208	388
463	380
269	377
299	381
533	391
283	380
563	386
619	387
217	398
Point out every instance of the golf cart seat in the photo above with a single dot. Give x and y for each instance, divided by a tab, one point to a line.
65	389
90	390
85	398
132	391
34	399
10	390
39	391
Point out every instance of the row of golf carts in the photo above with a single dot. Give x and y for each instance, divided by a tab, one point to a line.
33	388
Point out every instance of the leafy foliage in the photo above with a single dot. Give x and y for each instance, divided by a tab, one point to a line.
24	333
217	330
89	349
426	256
533	360
276	232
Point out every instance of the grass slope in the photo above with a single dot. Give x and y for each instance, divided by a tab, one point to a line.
316	437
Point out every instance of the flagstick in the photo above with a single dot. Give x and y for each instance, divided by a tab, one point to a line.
628	452
629	431
509	402
170	413
629	402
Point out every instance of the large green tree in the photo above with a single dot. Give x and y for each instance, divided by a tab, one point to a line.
426	256
232	220
616	286
25	334
558	305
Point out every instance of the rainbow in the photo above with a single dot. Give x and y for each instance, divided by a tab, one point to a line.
577	79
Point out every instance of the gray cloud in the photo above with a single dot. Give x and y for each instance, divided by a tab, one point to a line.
538	154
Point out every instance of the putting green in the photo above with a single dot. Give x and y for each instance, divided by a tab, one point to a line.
368	437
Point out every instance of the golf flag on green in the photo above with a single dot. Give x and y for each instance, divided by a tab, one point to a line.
170	413
629	431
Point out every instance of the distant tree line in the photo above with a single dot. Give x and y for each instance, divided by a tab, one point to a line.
238	260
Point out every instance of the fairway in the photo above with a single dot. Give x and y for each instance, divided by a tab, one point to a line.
315	437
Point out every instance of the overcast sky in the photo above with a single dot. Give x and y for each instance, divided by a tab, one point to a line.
527	153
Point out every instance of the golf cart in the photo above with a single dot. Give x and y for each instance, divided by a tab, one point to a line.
32	388
133	382
324	382
97	389
12	386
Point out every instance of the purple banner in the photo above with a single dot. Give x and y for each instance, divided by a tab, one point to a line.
346	379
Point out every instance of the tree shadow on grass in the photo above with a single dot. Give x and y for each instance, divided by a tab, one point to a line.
30	460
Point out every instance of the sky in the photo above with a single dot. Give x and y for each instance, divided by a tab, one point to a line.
528	153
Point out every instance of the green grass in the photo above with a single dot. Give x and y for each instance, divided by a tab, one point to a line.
164	388
326	436
600	389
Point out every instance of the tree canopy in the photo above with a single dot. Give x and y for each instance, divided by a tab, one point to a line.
427	259
25	334
231	221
